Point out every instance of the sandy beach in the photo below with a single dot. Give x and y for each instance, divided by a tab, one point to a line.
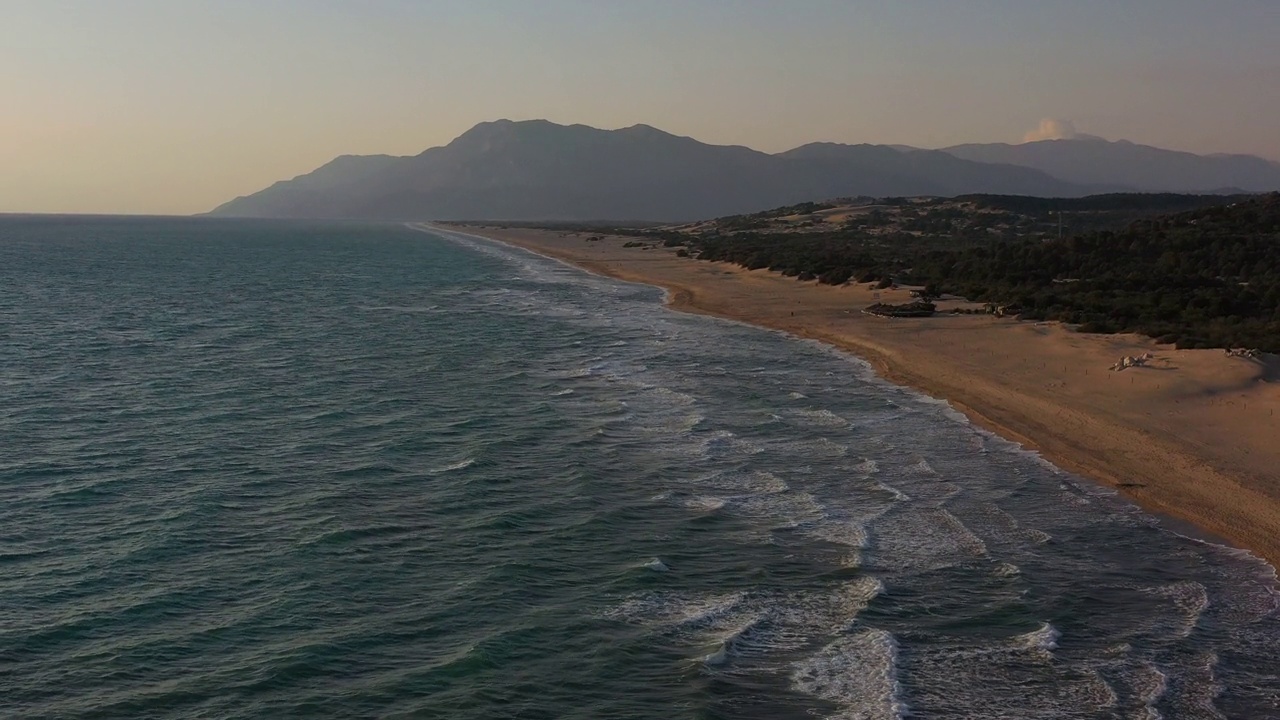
1194	435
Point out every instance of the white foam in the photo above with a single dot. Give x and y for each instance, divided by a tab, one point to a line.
829	612
722	443
657	565
897	494
400	308
730	642
815	448
1149	684
673	424
923	540
665	394
1097	692
1043	639
1039	537
849	534
790	508
719	657
1197	689
461	464
709	609
704	503
858	673
1256	597
922	467
1005	569
965	537
763	482
1189	598
821	418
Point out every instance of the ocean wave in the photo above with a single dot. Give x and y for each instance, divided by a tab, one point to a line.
919	540
964	537
922	467
299	488
867	467
820	418
1193	689
351	535
668	396
1189	598
810	449
761	482
1097	692
1043	639
674	424
1037	537
677	610
859	674
1006	569
757	626
704	503
897	494
721	444
733	642
1149	684
832	611
849	534
656	565
401	308
459	465
791	509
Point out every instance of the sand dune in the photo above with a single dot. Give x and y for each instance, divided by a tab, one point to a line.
1194	435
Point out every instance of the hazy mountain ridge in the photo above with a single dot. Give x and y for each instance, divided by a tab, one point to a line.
539	170
1088	159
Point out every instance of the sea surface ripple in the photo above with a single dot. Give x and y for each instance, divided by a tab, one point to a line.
280	469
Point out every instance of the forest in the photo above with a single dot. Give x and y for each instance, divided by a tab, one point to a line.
1208	277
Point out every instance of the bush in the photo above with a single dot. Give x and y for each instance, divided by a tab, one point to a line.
838	276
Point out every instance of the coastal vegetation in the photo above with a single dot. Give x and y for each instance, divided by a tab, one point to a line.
1196	271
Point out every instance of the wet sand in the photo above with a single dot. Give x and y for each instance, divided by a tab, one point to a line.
1194	435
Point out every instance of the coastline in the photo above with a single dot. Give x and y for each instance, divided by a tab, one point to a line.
1192	437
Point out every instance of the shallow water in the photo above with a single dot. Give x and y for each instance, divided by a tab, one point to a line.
272	470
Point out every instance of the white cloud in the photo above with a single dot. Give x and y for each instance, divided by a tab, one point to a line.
1051	129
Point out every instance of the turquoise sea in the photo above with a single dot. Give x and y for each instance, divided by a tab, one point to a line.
292	470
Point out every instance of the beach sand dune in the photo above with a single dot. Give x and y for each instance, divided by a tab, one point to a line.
1193	434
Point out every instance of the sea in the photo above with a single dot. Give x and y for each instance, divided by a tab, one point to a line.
270	469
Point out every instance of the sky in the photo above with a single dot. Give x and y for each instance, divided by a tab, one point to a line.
175	106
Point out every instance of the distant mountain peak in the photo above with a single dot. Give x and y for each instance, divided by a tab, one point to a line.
643	129
541	170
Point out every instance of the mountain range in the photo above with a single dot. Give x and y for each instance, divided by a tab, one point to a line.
538	170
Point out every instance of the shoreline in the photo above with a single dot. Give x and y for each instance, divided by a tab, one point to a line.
1158	439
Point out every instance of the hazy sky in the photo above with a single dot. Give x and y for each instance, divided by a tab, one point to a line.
173	106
